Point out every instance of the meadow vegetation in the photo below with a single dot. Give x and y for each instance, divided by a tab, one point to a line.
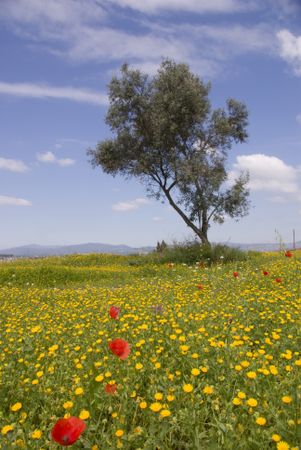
215	351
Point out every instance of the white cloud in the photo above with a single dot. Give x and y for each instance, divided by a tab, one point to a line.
13	201
49	157
14	165
268	173
157	219
130	205
290	49
46	91
65	162
89	36
197	6
58	12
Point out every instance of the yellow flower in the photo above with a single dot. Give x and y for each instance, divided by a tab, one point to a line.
84	414
139	366
158	396
261	421
252	402
16	406
36	434
276	437
195	372
119	433
95	447
165	413
245	364
187	388
99	378
208	390
204	369
273	370
241	395
251	375
282	445
287	399
143	405
68	405
156	407
170	398
298	362
79	391
236	401
6	429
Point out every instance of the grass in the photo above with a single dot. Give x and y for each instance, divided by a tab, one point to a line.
215	360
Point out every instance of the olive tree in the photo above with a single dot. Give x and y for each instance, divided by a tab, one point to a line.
166	134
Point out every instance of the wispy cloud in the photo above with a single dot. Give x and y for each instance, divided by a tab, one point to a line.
197	6
290	49
45	91
13	165
157	219
269	173
88	35
49	157
130	205
13	201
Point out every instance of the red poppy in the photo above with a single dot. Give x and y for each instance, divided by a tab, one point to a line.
235	274
120	348
67	431
278	280
111	388
200	286
114	312
288	254
265	273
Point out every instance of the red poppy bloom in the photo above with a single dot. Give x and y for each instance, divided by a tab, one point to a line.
200	286
111	388
120	348
67	431
288	254
114	312
278	280
265	273
235	274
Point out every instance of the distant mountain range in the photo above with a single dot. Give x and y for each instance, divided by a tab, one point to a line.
58	250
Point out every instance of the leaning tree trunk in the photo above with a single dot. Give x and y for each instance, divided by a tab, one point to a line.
203	229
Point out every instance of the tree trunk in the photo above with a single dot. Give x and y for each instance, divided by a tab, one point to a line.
202	230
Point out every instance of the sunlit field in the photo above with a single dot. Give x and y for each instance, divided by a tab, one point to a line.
214	362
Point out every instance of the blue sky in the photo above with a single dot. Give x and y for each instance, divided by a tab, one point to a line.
57	59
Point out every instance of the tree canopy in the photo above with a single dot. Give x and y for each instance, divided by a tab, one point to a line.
166	134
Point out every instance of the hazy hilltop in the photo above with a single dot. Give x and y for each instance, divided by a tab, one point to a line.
57	250
34	250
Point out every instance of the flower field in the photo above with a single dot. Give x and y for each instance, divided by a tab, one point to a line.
166	357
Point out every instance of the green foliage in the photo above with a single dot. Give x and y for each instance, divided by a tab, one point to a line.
192	252
167	135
